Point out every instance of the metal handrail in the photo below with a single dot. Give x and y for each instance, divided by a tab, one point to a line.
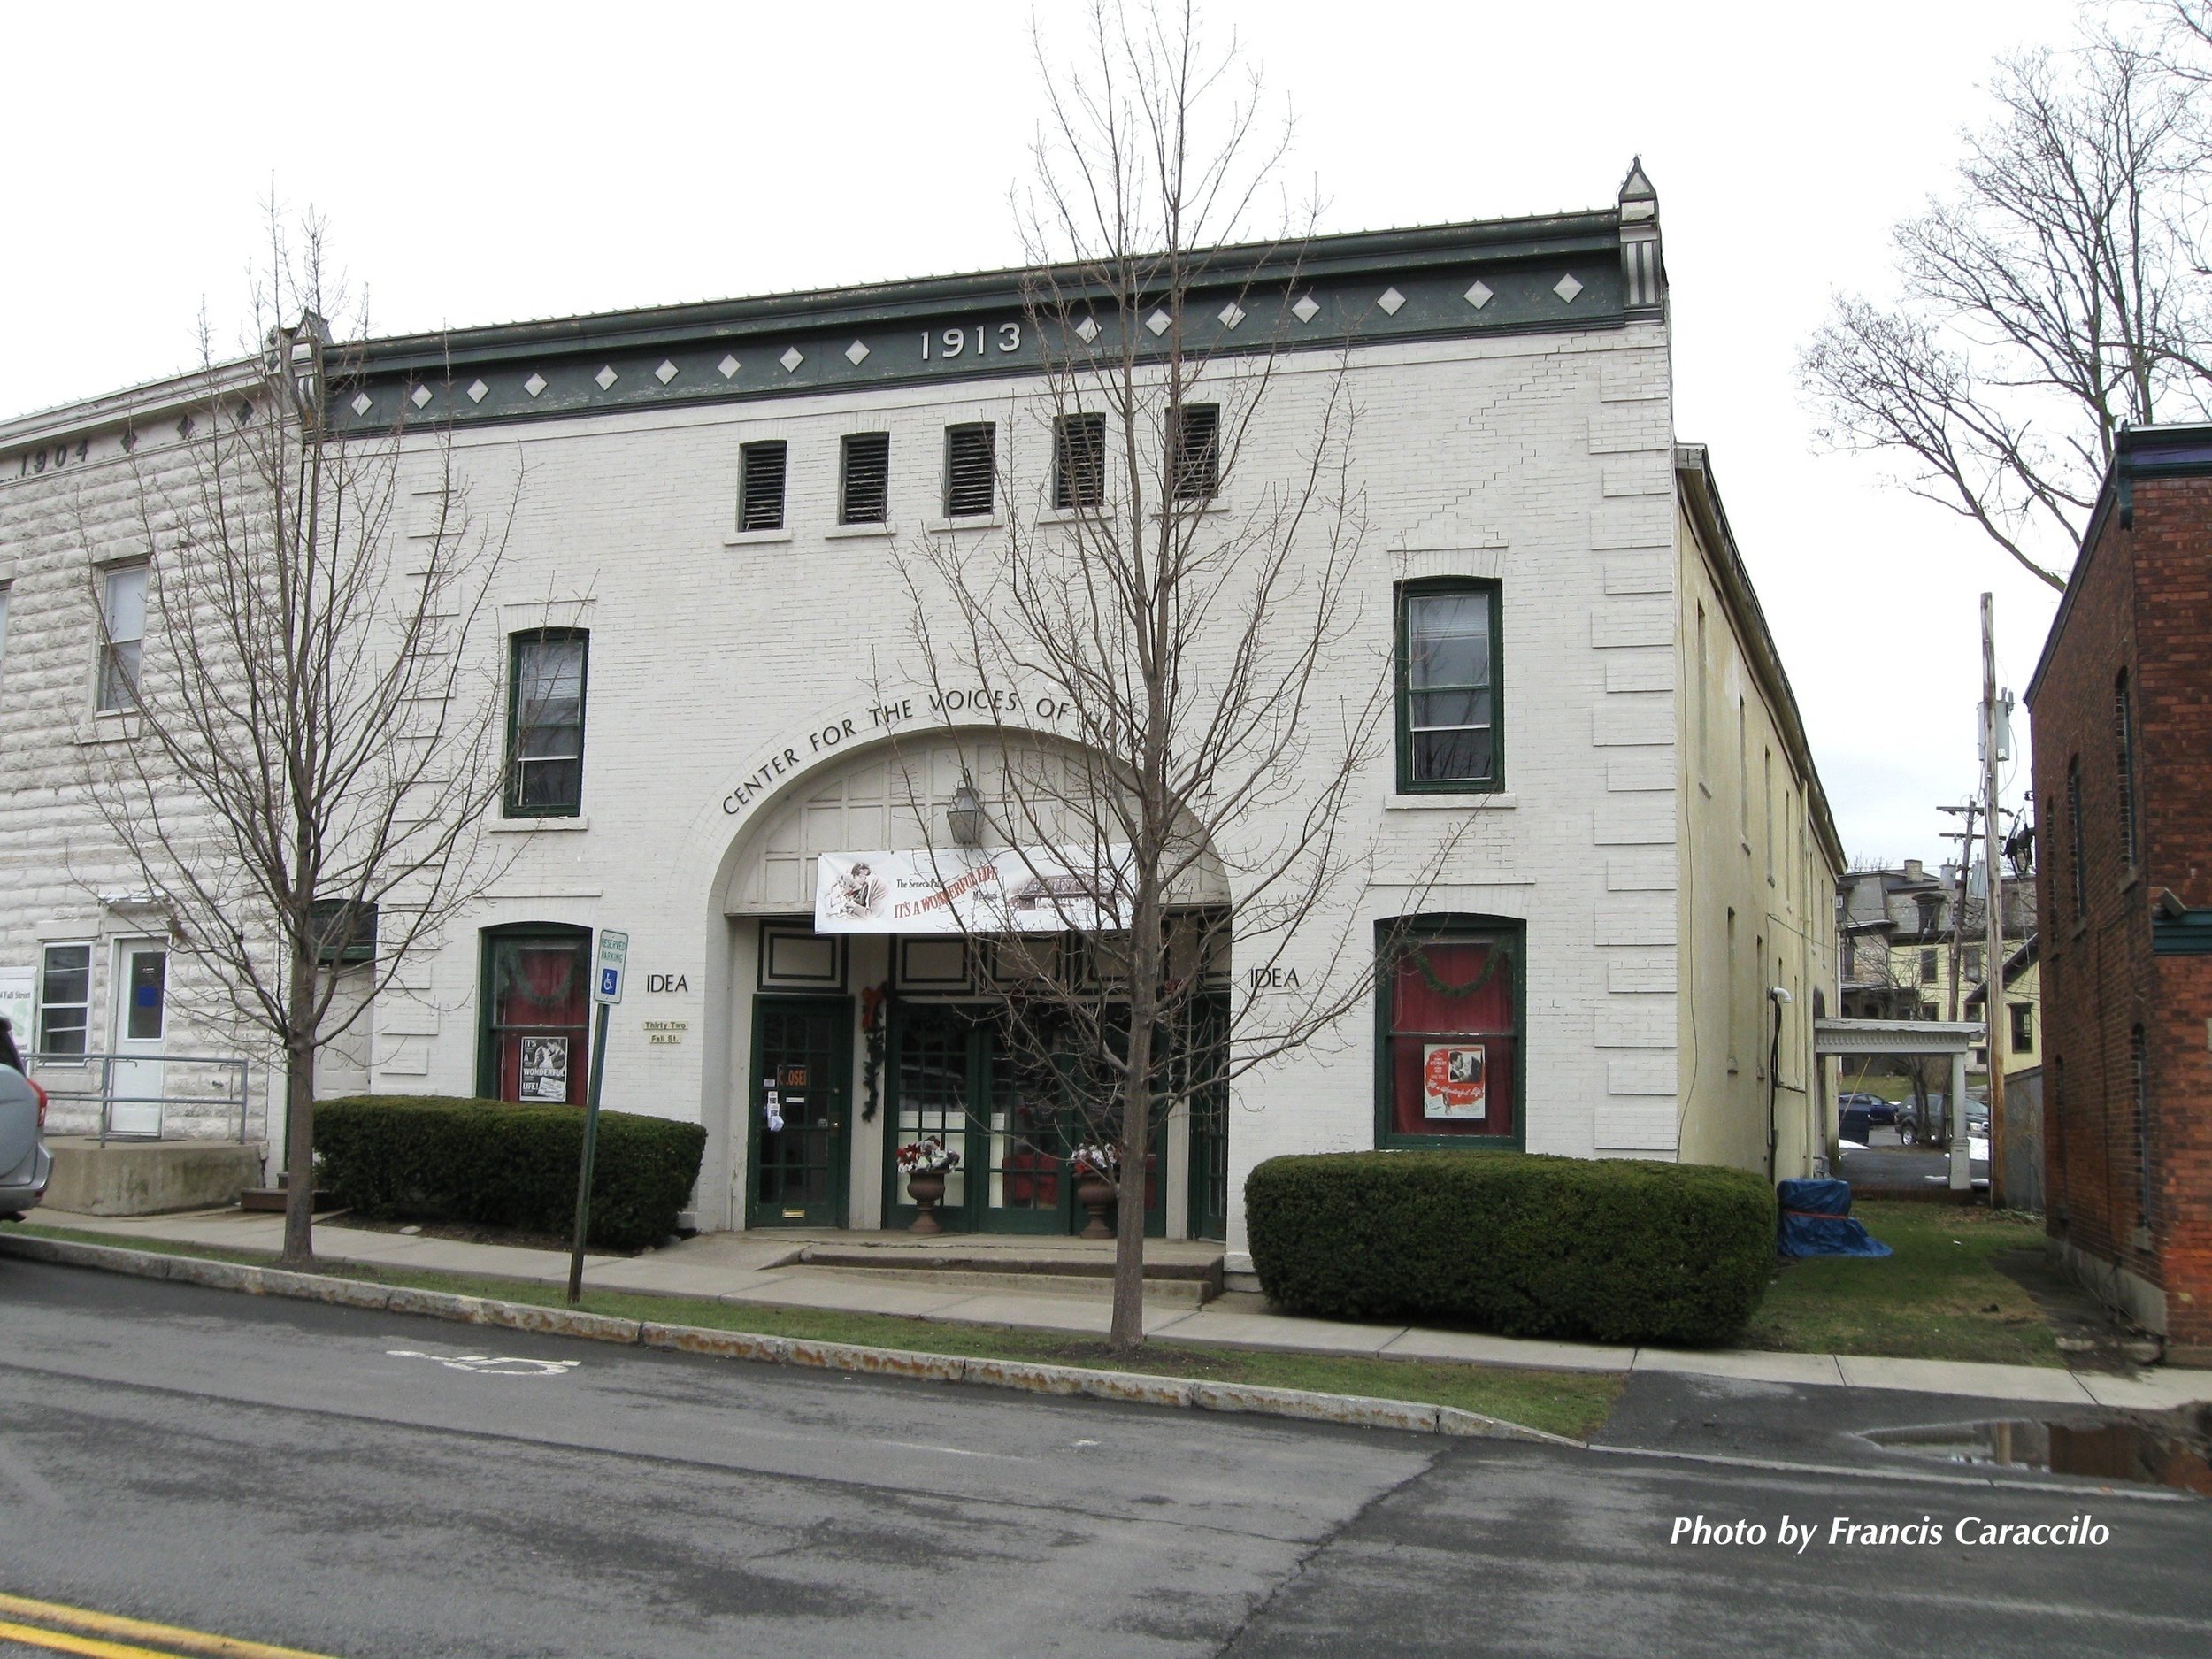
110	1100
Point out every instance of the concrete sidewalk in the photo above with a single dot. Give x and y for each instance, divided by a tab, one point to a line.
767	1270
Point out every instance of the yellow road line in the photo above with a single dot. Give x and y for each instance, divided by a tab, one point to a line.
174	1640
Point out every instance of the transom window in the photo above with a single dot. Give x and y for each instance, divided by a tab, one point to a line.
1447	655
546	723
123	622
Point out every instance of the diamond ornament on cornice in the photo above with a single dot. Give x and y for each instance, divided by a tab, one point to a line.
606	377
1306	308
856	353
478	391
1480	295
666	373
534	385
1088	329
727	367
419	396
1232	314
1390	301
1159	322
1567	287
362	404
791	360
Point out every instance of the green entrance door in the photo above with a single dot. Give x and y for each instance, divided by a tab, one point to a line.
802	1076
955	1076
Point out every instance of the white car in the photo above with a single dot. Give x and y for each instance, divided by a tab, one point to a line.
25	1165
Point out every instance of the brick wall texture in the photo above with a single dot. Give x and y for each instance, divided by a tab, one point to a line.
2132	1186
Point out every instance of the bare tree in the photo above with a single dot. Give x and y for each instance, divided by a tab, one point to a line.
1188	606
2059	293
314	733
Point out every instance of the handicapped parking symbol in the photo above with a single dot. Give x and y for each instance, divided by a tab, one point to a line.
488	1365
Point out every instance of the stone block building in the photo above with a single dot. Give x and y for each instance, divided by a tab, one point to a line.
703	567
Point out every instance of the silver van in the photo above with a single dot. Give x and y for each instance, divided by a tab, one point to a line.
25	1165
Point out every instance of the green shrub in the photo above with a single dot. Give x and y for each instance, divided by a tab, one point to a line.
442	1158
1617	1250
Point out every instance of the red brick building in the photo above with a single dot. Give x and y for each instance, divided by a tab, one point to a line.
2121	708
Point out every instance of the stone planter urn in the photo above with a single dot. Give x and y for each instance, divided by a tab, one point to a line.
1094	1193
927	1191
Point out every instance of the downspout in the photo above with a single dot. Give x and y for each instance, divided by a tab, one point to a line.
1777	995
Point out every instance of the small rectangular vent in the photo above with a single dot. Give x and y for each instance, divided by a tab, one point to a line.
760	487
865	497
970	468
1079	461
1196	445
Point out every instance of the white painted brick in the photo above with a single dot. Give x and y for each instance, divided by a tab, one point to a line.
1639	572
1640	769
1635	919
1624	820
1639	670
1632	621
1652	871
1643	971
1644	717
1635	1022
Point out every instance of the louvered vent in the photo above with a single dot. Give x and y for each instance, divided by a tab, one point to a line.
1079	461
970	458
866	498
1197	444
760	488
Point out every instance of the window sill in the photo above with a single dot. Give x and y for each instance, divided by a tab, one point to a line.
847	532
535	825
1446	801
112	725
756	538
965	521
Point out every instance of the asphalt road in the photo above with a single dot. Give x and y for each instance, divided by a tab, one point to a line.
323	1478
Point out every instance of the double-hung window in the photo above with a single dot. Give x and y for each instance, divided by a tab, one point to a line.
64	998
1448	728
971	470
545	720
864	493
760	485
123	632
1079	462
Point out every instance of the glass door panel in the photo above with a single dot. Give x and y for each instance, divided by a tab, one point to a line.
932	1080
802	1068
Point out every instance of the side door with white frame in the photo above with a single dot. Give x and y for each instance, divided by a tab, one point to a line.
141	1018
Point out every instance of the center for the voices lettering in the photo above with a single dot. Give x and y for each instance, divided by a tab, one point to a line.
1926	1533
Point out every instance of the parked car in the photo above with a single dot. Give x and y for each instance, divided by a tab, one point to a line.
1880	1112
25	1165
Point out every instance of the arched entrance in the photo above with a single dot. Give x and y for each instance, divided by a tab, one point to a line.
847	1046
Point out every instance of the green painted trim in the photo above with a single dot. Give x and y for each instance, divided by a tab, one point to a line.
509	807
1400	689
1509	931
486	1062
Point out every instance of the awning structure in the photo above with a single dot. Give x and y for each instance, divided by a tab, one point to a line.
1949	1038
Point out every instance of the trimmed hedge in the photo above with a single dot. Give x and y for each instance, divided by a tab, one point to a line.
435	1157
1613	1249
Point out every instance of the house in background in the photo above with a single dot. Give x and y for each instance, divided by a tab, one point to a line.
2122	708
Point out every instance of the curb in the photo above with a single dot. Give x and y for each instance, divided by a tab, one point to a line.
1022	1376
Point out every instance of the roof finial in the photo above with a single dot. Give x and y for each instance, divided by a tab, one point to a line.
1638	199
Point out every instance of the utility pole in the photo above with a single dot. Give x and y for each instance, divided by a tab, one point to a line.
1994	1029
1954	1134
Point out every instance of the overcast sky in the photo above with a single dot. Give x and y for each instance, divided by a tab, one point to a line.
482	164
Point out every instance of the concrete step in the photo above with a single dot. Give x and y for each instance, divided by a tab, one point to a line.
149	1178
994	1263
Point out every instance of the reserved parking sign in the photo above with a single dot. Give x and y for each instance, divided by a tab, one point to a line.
614	957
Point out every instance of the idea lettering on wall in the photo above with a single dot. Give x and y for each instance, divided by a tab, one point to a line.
661	984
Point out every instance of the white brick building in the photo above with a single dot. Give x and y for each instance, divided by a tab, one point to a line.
1644	847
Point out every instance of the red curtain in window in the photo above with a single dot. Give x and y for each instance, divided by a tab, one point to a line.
1452	1040
541	1003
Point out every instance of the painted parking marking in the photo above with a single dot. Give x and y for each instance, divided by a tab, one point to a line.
491	1365
85	1631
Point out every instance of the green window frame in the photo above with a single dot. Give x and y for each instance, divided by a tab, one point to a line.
1450	702
545	722
495	1069
1498	944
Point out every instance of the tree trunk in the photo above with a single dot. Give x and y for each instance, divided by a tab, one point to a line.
299	1116
1126	1334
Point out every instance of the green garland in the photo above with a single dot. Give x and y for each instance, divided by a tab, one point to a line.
1496	956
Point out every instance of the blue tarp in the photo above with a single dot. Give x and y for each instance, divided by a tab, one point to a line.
1817	1221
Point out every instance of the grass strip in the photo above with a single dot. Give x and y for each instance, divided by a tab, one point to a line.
1937	1297
1572	1403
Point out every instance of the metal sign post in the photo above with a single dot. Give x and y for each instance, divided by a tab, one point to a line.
606	991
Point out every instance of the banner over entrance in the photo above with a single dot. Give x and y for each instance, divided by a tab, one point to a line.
967	890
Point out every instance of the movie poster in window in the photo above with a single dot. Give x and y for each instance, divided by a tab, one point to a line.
1453	1080
545	1069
